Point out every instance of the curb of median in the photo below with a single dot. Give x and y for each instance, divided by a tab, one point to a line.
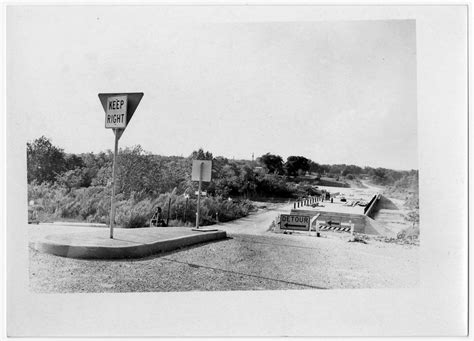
120	252
64	223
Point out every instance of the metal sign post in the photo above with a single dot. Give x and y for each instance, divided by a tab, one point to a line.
201	171
199	195
352	229
114	172
186	207
119	109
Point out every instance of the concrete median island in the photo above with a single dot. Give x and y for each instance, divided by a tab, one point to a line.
127	243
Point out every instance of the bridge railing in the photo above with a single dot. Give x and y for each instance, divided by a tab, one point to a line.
370	206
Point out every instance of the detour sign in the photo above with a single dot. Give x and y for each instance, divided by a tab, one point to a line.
294	222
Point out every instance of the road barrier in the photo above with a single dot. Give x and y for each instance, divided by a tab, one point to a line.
305	202
370	206
335	228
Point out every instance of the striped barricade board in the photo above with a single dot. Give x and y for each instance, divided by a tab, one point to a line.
334	226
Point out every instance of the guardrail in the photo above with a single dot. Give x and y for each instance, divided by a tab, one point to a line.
370	206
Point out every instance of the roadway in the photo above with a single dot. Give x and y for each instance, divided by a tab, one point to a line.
252	258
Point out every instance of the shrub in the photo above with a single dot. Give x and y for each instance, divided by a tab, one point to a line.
129	214
92	204
410	233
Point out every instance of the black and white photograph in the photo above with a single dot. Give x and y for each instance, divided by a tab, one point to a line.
210	161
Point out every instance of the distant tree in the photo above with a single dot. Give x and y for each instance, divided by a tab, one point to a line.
227	181
200	154
74	178
337	169
135	171
383	176
297	165
73	161
272	185
97	168
316	168
248	181
326	168
44	161
351	169
274	163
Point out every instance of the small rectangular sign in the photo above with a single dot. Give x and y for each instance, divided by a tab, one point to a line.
116	112
294	222
206	170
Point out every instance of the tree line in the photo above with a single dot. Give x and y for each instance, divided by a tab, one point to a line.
79	184
141	171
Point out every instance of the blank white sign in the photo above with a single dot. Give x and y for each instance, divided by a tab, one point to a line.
206	170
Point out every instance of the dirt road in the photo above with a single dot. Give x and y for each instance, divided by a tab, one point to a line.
250	259
256	223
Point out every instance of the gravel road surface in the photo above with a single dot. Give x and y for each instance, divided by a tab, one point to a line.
250	259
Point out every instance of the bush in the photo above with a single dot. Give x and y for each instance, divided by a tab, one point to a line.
136	221
92	204
410	233
304	190
131	214
275	186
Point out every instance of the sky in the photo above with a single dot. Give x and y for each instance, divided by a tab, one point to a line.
334	92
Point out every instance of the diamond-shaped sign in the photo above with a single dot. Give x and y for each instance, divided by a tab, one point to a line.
119	109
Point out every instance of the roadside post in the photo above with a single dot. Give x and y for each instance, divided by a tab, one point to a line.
199	196
119	109
201	172
352	229
114	172
315	220
169	211
186	207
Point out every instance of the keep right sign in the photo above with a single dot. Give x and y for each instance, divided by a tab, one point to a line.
116	112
